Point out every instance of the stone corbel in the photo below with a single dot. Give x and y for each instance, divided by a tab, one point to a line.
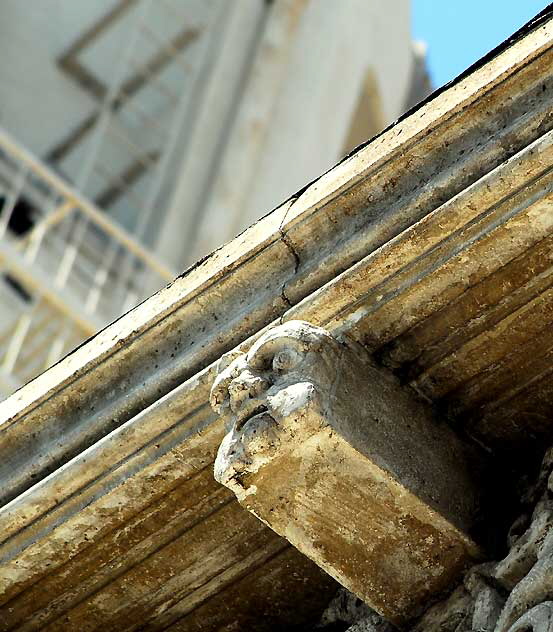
334	455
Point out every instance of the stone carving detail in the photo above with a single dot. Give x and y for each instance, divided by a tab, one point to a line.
538	619
516	593
265	395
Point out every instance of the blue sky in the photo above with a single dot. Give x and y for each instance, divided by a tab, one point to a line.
458	32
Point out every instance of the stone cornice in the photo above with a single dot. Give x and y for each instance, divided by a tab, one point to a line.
436	204
383	190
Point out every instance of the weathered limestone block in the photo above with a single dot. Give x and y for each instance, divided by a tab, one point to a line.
514	594
335	456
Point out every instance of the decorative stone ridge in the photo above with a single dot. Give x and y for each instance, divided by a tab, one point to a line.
516	593
334	455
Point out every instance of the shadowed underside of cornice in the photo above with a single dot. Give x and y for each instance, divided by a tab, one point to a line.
431	246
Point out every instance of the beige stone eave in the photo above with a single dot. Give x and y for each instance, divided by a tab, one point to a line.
427	214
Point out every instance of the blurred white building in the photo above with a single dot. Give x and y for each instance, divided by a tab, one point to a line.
138	135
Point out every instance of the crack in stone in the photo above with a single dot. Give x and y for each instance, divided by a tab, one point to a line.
284	297
284	236
288	244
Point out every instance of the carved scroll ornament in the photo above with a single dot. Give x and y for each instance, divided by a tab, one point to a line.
266	395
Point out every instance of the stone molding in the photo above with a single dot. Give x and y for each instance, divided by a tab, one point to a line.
448	209
377	198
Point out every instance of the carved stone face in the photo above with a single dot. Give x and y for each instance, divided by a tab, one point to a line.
269	395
